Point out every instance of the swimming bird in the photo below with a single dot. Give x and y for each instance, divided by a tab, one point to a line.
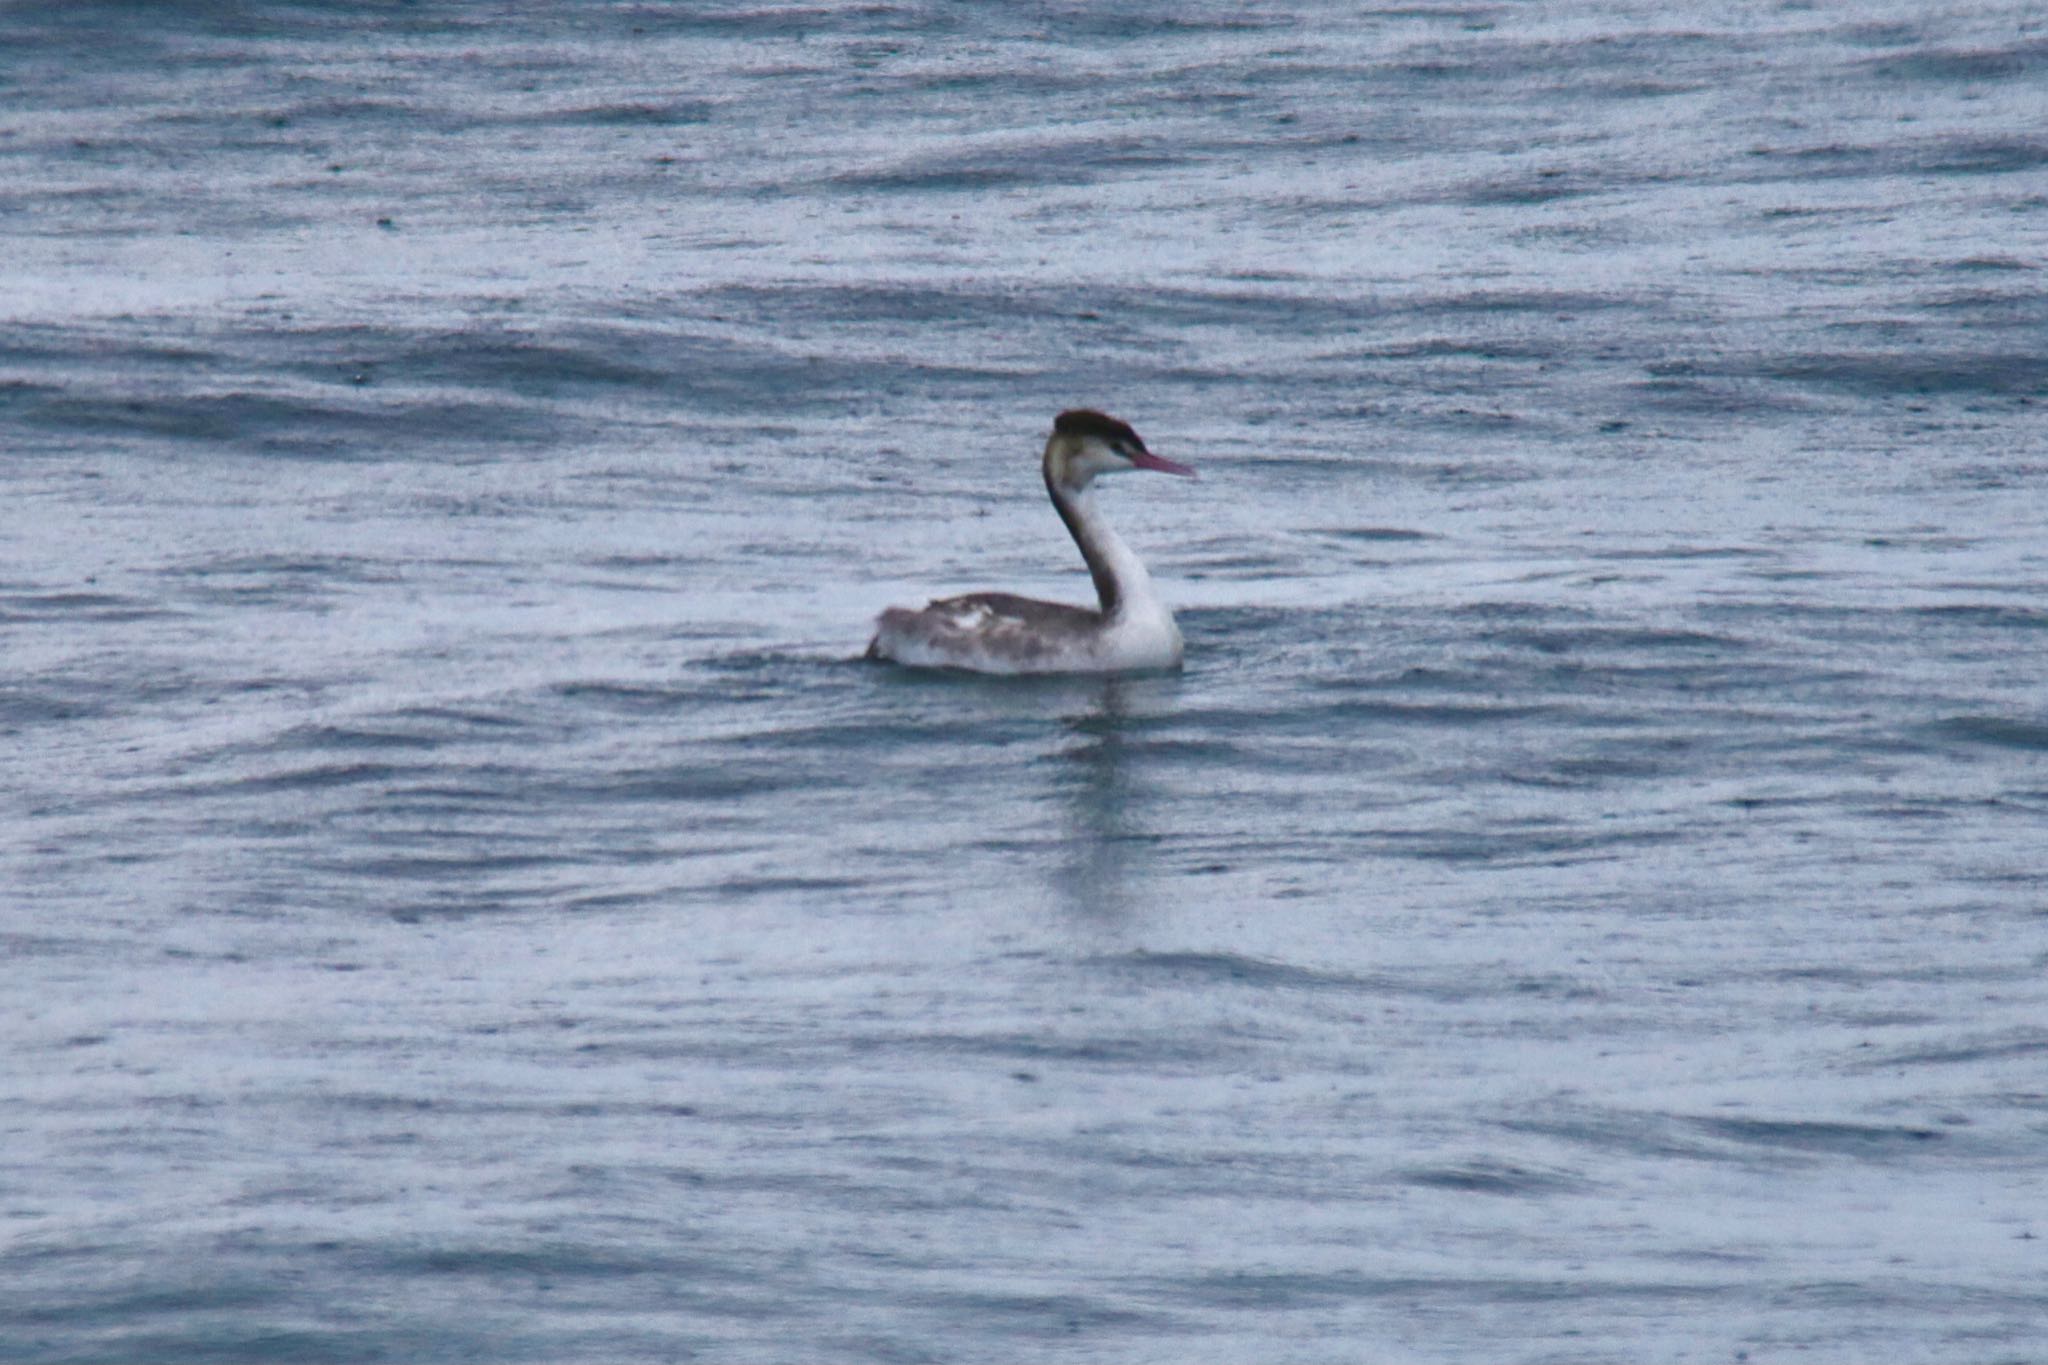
999	632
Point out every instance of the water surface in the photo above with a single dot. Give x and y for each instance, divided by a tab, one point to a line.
464	897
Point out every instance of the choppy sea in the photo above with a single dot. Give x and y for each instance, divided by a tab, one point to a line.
463	897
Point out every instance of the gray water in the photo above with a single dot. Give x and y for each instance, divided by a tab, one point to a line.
465	898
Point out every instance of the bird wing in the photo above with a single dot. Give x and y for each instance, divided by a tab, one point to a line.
986	627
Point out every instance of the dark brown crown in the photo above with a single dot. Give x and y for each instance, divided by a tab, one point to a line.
1088	422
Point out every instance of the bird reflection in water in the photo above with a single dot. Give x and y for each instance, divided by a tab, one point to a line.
1107	850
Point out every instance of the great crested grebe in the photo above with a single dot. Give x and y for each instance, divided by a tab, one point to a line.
999	632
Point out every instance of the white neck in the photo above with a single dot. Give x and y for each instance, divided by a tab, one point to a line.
1122	586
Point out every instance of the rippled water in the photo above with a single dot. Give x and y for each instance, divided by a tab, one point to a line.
466	899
